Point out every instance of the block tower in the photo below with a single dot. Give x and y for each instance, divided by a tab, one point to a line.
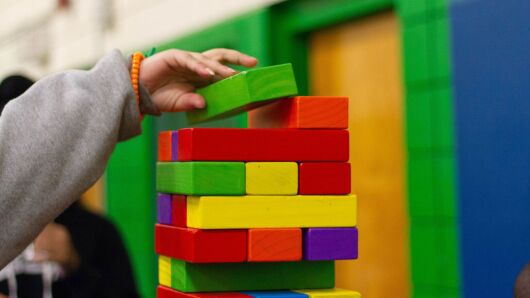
257	212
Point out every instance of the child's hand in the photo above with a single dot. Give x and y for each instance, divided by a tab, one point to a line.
55	244
172	76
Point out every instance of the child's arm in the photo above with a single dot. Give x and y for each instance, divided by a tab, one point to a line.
56	138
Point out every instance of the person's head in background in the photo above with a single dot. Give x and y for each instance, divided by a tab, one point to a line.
522	284
12	87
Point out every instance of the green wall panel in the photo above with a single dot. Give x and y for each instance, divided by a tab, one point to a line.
420	185
438	30
437	4
428	291
435	257
129	193
416	53
443	168
409	8
442	119
423	245
431	160
450	257
419	122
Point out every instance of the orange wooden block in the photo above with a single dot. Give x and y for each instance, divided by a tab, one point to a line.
302	112
167	146
268	245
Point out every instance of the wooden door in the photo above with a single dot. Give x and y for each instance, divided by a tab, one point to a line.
362	59
93	198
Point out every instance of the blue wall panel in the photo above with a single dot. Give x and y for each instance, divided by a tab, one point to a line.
491	54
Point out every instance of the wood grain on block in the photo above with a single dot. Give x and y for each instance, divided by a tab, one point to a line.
330	244
165	292
201	178
201	246
218	277
241	212
330	293
324	112
244	91
271	178
167	145
268	245
238	144
322	178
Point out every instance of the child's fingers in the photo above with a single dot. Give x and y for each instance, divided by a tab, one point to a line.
231	56
188	101
219	68
190	62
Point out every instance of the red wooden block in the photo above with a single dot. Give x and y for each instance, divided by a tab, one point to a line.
270	245
302	112
178	211
167	145
235	144
164	292
201	246
324	178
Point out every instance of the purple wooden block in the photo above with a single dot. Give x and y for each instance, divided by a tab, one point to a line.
174	145
164	208
330	244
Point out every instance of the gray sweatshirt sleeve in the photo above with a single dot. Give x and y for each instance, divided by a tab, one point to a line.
55	141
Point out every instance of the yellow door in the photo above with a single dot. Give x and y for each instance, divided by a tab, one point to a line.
362	59
93	199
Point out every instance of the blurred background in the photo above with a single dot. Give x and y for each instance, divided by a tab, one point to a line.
439	118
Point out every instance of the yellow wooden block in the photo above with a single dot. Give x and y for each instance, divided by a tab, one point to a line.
241	212
335	293
164	271
271	178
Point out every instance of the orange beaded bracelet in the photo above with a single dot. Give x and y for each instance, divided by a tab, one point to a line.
135	76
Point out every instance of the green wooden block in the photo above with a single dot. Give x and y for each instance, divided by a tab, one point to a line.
442	118
418	119
244	91
201	178
189	277
420	185
416	53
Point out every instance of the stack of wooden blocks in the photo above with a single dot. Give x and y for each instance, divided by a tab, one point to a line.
257	212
